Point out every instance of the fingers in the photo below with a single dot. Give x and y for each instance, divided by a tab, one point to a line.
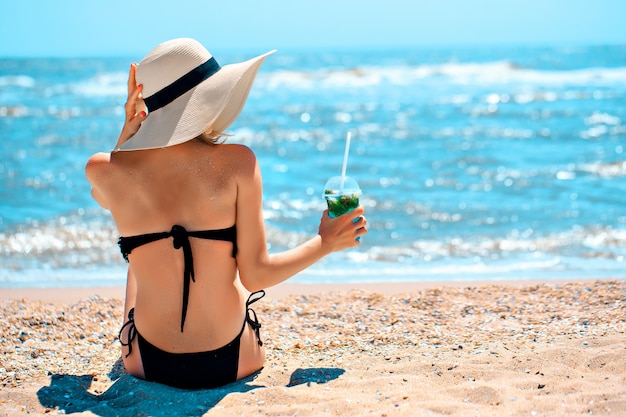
360	223
132	124
343	232
357	212
134	95
354	227
134	105
132	83
134	108
135	121
361	228
352	220
355	234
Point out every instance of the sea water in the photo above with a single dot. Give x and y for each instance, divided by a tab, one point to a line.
475	163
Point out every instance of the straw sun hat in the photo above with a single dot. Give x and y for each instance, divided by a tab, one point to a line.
188	93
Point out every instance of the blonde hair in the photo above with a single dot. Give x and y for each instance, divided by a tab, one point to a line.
212	137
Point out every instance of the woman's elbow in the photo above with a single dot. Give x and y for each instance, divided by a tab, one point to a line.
99	199
251	281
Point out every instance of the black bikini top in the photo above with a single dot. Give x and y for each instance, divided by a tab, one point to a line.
180	240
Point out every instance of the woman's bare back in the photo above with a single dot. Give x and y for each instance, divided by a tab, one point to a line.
194	185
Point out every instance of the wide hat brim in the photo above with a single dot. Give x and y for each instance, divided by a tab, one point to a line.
213	105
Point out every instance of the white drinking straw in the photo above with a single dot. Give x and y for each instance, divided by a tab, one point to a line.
345	162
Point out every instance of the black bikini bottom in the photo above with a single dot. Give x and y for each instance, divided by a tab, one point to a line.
194	370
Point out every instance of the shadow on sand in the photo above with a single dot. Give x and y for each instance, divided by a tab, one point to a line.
129	396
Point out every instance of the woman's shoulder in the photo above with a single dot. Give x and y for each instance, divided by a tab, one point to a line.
99	158
240	160
237	148
238	152
96	162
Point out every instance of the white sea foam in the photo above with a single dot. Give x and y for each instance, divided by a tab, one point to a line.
110	84
23	81
605	169
498	72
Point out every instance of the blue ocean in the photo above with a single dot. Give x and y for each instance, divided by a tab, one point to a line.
476	163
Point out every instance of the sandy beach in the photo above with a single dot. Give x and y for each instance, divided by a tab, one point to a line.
418	349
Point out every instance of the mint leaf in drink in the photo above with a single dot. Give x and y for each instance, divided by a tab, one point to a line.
343	204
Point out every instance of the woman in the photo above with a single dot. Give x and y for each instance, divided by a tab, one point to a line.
189	211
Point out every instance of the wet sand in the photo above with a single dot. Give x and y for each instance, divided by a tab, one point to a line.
396	349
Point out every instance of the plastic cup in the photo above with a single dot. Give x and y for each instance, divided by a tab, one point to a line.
341	200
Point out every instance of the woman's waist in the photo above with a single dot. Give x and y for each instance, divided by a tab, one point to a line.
212	320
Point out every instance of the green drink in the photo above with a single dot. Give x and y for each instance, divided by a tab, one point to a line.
341	198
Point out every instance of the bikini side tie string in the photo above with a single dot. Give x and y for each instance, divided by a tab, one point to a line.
251	317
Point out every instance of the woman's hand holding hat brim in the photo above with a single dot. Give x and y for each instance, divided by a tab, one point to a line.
134	108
